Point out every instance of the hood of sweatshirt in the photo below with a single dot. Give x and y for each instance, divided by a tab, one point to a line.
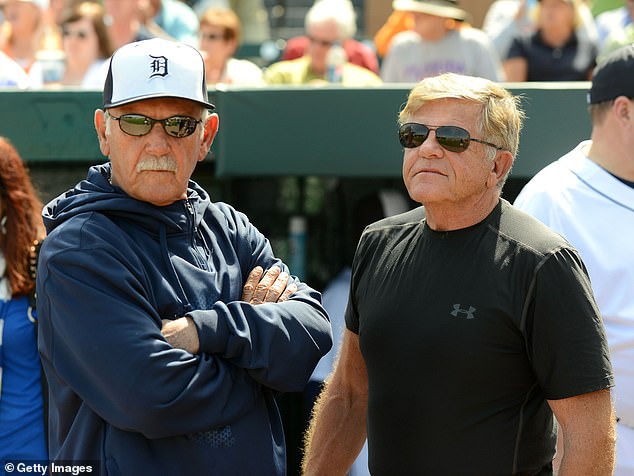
97	194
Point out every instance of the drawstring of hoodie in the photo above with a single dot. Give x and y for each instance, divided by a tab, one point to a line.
170	267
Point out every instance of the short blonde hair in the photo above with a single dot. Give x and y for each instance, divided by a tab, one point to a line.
502	117
577	7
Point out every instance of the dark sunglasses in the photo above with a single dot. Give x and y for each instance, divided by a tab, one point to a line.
139	125
323	43
211	36
79	34
452	138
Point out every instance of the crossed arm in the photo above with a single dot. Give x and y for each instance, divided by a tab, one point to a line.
259	288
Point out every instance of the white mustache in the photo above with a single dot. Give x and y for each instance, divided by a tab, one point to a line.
162	164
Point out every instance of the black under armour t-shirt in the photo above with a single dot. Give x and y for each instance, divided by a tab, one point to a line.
465	335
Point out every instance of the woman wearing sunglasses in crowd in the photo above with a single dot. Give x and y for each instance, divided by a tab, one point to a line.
86	46
22	434
219	40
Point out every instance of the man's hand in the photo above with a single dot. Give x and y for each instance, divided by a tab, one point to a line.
270	288
181	333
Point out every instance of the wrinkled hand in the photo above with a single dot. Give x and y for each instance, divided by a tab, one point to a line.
181	333
272	287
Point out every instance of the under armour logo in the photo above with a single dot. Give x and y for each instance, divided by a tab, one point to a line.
158	65
468	313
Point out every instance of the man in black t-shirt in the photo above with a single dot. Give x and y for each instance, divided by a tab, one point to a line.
470	326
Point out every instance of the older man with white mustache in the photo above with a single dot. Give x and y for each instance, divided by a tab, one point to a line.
157	164
167	324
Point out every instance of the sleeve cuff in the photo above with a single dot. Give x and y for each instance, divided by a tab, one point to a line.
211	334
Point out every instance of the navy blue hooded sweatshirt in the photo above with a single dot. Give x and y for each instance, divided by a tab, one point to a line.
110	269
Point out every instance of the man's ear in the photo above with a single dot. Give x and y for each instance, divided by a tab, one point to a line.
621	108
210	131
100	127
501	165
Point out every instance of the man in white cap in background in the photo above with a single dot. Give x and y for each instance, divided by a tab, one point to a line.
439	43
167	325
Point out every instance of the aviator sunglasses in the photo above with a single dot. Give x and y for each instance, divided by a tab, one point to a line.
452	138
139	125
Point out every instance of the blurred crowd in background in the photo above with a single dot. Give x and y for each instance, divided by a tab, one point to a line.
66	43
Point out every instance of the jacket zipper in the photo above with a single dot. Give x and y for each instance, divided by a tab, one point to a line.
190	209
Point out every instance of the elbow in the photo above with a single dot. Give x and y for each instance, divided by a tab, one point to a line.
146	419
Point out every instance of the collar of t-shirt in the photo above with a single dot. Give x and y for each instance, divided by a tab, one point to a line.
626	182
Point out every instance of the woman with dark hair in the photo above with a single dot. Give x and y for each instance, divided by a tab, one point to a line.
220	36
22	419
86	46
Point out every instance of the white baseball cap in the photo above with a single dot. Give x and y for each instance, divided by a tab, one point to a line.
155	68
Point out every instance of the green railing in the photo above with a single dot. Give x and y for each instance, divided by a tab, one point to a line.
301	131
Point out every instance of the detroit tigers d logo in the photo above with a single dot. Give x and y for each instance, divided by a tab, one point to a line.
158	66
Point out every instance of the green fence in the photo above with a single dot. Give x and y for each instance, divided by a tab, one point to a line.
329	131
352	132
